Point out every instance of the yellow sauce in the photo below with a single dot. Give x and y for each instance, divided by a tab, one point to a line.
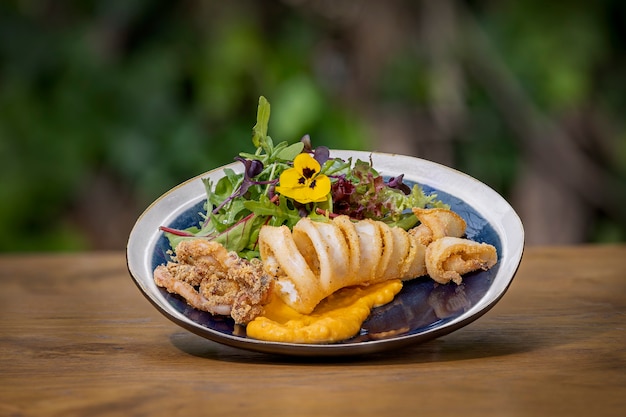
338	317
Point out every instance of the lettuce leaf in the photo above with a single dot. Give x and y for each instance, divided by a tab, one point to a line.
239	204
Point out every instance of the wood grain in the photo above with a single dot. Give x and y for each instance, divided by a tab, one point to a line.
77	338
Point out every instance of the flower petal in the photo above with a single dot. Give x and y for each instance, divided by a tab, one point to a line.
302	195
305	162
290	178
320	191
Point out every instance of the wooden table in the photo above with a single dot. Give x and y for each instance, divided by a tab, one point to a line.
77	338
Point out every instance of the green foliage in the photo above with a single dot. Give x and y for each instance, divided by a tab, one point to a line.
554	49
151	93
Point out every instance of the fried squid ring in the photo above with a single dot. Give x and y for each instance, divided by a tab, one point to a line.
450	257
437	223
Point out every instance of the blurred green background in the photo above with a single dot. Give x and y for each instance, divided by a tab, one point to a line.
104	106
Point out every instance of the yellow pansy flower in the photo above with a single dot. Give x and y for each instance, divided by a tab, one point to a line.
303	182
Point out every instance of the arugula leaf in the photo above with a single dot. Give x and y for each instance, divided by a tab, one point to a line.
259	131
278	214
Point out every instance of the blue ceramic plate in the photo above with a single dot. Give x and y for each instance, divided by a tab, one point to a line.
420	312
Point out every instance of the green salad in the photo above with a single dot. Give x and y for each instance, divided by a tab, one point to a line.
283	182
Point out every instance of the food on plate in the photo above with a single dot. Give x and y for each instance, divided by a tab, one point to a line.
318	258
436	223
448	258
299	246
337	317
214	280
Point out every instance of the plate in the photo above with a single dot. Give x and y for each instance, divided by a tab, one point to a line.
422	310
